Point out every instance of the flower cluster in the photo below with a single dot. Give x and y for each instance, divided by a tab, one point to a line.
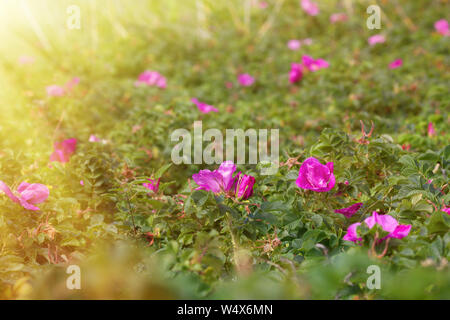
308	64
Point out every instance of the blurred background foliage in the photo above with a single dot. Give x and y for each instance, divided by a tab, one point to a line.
200	46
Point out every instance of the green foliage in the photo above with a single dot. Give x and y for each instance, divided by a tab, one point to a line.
283	242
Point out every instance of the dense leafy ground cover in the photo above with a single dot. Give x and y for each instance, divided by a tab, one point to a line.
177	242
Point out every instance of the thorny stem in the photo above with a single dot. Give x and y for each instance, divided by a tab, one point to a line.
385	249
373	252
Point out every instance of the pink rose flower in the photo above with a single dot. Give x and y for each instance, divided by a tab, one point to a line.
378	38
217	181
386	222
294	44
441	26
94	138
55	91
307	42
314	64
153	185
151	78
27	195
446	210
395	64
243	186
431	131
338	17
310	7
315	176
350	211
351	234
245	80
63	150
203	107
296	72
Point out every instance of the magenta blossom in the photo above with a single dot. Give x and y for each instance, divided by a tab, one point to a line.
245	80
441	26
294	44
387	224
315	176
446	210
378	38
296	72
314	64
350	211
217	181
151	78
27	194
152	185
431	130
395	64
338	17
63	150
55	91
310	7
203	107
243	186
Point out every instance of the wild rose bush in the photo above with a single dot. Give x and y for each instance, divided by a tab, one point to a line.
86	175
